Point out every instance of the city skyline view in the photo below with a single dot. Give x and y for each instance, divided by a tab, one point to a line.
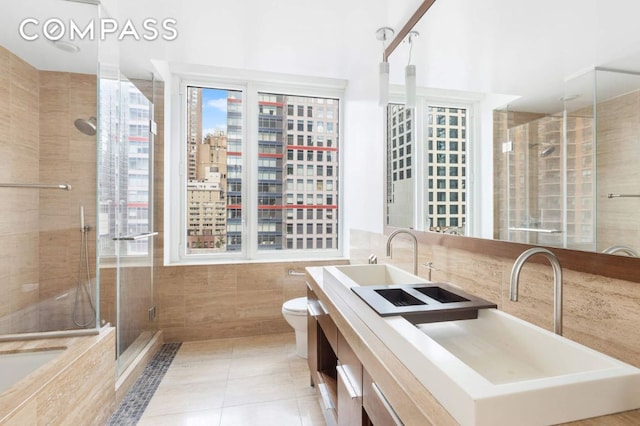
297	172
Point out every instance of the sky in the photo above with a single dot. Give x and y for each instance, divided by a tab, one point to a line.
214	110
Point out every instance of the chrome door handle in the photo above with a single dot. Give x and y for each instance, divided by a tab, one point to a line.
351	390
386	405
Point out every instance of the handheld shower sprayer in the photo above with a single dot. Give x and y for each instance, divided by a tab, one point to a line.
83	289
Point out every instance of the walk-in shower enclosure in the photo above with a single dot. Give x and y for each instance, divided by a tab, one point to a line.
76	156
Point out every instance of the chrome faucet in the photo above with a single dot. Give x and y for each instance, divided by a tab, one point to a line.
415	247
557	282
622	249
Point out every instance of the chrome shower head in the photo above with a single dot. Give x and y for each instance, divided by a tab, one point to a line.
88	127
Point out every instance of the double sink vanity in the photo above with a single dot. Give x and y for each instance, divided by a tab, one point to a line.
388	347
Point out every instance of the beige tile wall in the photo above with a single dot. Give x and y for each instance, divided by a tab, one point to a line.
205	302
69	156
618	150
599	312
19	151
39	230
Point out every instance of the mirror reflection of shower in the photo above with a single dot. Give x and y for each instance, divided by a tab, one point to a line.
83	289
88	126
544	149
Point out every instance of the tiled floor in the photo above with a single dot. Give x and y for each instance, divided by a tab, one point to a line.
242	381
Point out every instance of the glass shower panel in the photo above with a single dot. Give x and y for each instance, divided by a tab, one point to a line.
47	180
535	189
133	222
125	214
550	178
580	181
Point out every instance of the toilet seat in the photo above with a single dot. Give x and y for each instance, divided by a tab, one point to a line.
297	306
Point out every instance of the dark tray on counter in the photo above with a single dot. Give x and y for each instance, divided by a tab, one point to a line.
422	303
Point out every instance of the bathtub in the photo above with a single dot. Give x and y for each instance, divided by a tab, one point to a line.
58	380
18	365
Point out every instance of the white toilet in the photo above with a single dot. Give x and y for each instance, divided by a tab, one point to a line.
295	312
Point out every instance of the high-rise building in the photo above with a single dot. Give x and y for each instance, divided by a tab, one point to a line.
125	170
400	175
446	154
311	169
194	128
234	170
207	204
270	136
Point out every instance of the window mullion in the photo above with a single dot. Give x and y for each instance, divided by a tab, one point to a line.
250	173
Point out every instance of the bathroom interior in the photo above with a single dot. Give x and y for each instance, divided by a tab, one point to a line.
92	277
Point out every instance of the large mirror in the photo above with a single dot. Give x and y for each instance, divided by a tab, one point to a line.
565	145
567	178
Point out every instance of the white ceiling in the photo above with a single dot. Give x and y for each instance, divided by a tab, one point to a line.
525	48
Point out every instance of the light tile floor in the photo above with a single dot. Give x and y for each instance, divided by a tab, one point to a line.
242	381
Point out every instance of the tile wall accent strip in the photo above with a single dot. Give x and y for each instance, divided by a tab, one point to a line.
136	400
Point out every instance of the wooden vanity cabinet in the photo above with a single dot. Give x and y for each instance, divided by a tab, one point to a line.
347	394
377	409
349	371
322	349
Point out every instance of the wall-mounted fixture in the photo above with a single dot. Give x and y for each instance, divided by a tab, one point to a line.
88	126
383	34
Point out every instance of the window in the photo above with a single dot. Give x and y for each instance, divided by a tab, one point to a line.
224	214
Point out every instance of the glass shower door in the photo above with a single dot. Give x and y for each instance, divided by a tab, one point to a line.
126	217
534	174
550	178
134	249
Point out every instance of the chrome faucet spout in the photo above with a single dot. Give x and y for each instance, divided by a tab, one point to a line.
622	249
557	282
415	247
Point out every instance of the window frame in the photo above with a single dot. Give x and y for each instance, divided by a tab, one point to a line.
251	84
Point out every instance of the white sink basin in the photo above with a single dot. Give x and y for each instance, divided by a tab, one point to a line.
374	275
496	369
